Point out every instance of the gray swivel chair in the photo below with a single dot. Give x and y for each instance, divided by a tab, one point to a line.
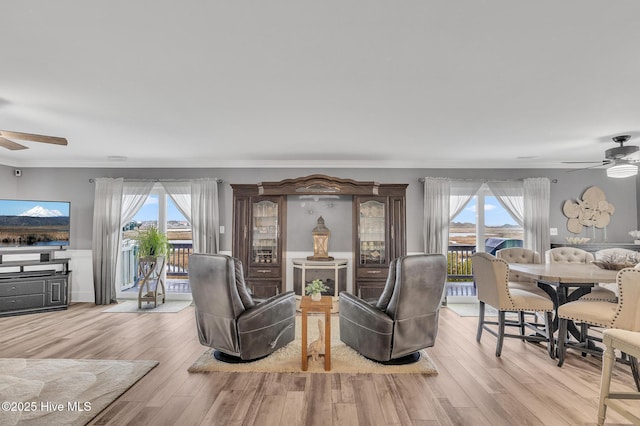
405	317
227	317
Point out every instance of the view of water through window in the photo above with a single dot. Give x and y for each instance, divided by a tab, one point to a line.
498	223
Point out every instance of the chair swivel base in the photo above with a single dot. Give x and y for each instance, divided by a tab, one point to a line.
403	360
231	359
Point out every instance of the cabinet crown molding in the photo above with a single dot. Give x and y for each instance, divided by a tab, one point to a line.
320	184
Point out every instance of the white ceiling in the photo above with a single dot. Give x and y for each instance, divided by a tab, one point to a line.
346	83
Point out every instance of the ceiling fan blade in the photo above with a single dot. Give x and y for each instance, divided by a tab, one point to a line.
11	145
581	162
590	167
33	137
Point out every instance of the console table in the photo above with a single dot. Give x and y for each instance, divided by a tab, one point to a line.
332	272
594	247
33	281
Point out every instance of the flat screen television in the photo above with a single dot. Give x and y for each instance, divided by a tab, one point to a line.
34	223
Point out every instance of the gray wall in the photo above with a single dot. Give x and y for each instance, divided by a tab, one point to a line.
73	185
302	217
8	182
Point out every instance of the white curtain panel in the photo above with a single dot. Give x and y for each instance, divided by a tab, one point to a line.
536	214
436	215
134	194
205	216
461	192
107	227
180	193
510	195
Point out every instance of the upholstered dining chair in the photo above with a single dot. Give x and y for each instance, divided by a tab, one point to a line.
577	255
616	254
405	317
491	276
628	342
525	256
621	315
228	319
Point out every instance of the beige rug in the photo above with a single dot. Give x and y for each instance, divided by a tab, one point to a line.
288	359
170	306
63	391
471	309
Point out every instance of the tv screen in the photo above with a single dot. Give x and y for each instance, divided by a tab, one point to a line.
34	223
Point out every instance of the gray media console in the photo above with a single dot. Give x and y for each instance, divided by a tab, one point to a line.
33	281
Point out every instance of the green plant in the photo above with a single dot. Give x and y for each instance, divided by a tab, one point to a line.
152	242
315	287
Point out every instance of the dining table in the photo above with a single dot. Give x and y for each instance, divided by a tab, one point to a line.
565	282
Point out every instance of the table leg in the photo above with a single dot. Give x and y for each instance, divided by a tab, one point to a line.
550	289
327	340
304	340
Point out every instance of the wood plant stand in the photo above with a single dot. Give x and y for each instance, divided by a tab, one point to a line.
324	305
151	285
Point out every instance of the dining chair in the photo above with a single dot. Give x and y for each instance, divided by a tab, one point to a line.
491	276
628	342
523	256
619	255
623	315
516	281
577	255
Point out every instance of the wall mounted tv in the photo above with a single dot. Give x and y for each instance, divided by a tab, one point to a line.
34	223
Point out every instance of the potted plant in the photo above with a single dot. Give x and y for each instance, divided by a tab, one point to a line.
315	289
152	243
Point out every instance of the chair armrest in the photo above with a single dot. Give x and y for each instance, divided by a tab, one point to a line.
360	312
274	309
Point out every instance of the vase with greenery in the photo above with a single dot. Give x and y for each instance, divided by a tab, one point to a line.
152	243
315	289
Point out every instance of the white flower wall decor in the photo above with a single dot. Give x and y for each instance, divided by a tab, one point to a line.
593	210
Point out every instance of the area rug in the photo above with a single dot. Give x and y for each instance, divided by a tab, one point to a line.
63	391
471	309
288	359
170	306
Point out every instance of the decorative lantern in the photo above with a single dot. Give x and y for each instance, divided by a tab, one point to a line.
320	236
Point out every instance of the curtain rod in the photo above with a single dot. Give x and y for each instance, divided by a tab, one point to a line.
218	180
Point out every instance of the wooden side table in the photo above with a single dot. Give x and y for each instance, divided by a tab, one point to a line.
324	305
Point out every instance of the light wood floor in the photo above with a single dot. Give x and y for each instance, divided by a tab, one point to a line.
473	387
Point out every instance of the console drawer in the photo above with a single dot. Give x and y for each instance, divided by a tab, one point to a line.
22	288
21	302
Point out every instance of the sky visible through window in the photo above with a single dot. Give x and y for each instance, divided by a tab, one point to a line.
149	210
495	214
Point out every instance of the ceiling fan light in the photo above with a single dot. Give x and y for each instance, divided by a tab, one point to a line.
622	171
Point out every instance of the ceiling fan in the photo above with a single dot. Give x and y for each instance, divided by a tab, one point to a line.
620	160
6	135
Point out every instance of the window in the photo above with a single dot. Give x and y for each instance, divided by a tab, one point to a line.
160	211
485	220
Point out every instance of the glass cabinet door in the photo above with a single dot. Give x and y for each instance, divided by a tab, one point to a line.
264	242
372	232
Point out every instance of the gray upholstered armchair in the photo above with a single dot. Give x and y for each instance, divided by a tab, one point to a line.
404	319
227	317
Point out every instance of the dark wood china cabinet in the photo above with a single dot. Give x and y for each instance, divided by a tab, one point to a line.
259	226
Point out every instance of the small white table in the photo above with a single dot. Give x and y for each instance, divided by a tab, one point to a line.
332	272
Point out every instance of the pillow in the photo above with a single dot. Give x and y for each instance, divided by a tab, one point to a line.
243	291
